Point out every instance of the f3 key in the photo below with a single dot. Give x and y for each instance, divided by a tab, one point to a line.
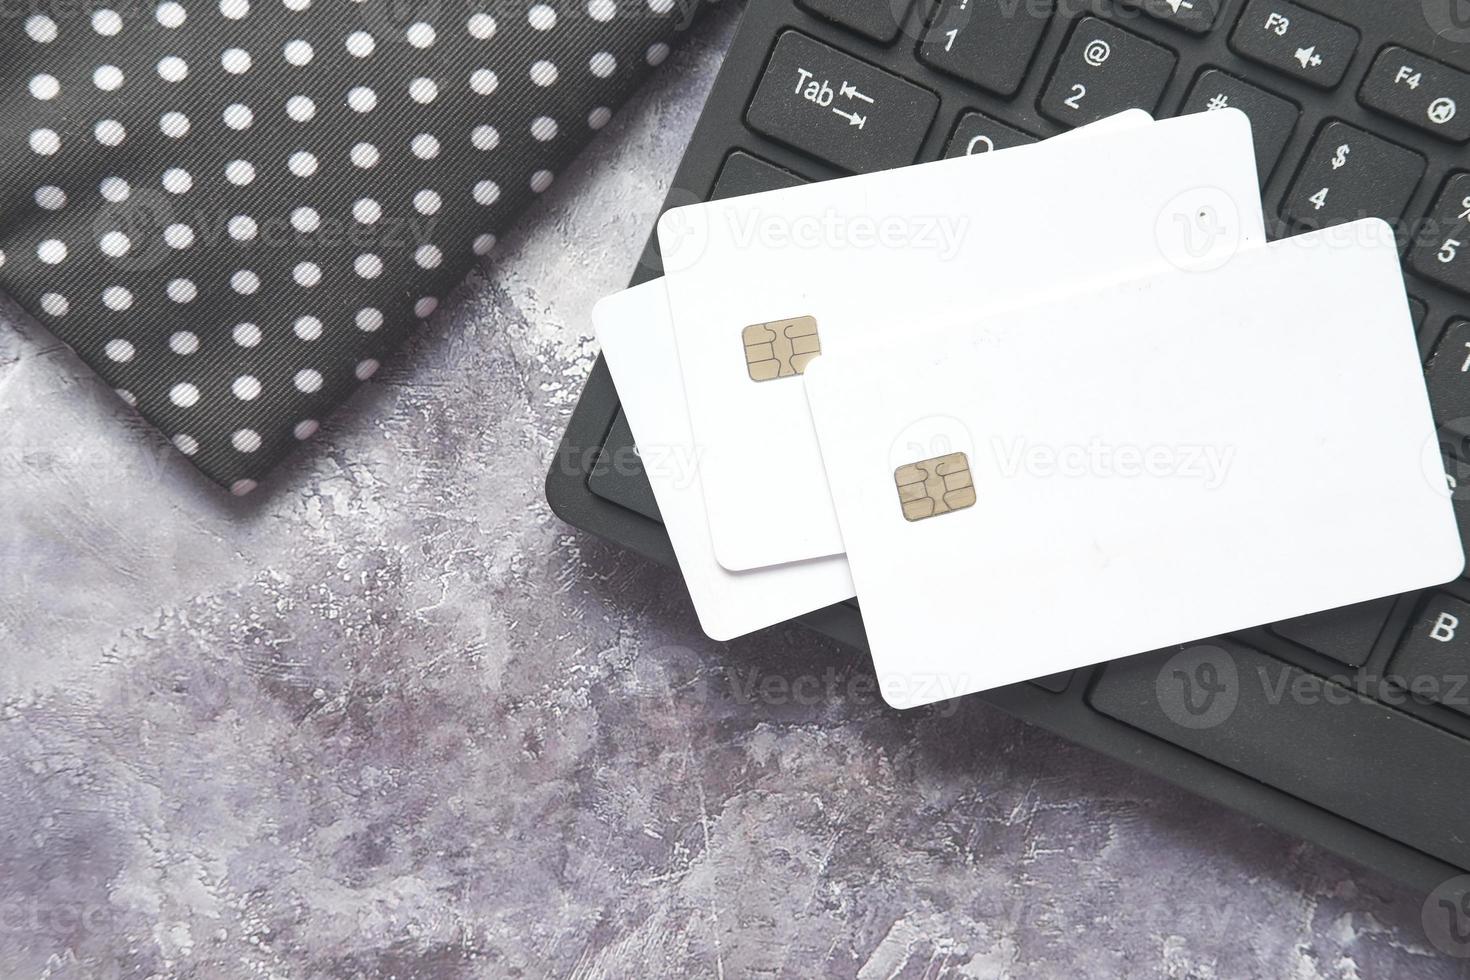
1296	41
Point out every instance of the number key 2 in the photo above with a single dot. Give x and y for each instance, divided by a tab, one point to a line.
1442	247
1103	71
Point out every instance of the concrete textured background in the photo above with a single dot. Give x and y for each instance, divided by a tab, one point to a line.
391	719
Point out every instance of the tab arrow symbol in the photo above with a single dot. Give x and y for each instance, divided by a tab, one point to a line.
852	118
851	91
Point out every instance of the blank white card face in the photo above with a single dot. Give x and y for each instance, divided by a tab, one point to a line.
638	342
1150	464
762	286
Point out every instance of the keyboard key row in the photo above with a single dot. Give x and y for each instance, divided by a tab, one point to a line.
860	118
991	46
1102	70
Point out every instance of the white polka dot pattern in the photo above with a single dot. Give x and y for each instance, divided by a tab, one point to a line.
234	210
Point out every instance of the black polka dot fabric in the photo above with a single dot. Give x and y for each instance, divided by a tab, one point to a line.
235	209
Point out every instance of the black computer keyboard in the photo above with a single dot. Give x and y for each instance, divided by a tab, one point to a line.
1359	108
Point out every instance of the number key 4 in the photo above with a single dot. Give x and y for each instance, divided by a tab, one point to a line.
1442	247
1350	174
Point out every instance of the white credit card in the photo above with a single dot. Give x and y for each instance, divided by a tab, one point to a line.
638	342
758	284
1148	464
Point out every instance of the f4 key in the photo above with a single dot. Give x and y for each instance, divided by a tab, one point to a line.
1419	91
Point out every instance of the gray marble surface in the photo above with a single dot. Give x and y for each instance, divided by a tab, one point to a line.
391	719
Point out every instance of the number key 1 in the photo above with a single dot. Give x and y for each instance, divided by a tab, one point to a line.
1442	248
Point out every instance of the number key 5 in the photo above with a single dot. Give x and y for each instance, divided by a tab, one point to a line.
1442	247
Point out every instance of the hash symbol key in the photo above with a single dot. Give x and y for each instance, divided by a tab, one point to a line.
1272	117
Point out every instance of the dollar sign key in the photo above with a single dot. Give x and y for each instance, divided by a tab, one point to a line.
1341	157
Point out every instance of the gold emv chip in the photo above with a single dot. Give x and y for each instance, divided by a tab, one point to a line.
935	486
781	348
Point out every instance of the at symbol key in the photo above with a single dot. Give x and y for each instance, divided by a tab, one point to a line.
1104	70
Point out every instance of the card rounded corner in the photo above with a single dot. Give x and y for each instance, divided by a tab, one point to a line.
899	697
1455	567
605	307
718	632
